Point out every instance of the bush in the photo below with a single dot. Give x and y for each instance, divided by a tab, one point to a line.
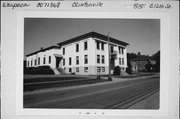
29	70
39	70
117	70
128	70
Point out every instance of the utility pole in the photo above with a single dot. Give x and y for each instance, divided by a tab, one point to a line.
109	57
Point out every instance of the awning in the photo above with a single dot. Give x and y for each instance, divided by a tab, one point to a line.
58	55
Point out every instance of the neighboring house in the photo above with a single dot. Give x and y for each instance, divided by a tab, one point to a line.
86	55
140	63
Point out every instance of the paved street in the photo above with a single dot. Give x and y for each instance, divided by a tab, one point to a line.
115	94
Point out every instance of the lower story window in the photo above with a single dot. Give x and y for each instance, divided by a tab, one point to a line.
77	69
70	70
103	69
85	69
98	69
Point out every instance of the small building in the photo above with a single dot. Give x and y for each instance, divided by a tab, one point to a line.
140	63
86	54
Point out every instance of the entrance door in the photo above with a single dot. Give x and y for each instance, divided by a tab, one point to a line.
58	59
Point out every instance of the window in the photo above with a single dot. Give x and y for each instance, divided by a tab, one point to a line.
85	45
103	69
77	69
98	69
112	49
102	59
70	61
102	46
119	61
35	62
31	62
77	47
122	50
38	60
122	61
44	60
85	59
70	70
97	45
85	69
63	51
98	58
28	63
119	49
77	59
49	59
63	62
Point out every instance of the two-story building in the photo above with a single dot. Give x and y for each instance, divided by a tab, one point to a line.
86	55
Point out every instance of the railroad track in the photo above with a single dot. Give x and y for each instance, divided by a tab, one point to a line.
126	103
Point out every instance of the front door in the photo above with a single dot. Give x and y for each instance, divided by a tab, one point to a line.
58	59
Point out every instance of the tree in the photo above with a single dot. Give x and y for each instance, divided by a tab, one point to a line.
128	69
148	66
117	70
156	56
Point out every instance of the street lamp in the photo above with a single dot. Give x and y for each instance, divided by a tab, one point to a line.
109	76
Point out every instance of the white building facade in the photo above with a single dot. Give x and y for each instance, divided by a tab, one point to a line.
84	55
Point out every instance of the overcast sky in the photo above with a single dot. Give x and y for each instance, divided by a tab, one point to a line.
143	35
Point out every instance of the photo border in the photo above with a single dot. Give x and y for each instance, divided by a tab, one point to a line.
164	72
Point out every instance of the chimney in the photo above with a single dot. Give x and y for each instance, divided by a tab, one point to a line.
41	48
139	53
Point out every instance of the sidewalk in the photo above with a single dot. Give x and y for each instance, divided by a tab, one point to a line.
114	80
151	102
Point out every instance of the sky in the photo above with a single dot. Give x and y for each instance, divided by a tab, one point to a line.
142	35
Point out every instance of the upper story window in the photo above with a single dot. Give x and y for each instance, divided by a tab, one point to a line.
70	61
85	59
63	62
119	48
98	58
77	59
49	59
122	50
63	51
28	63
77	47
31	62
85	45
97	45
102	46
112	49
103	59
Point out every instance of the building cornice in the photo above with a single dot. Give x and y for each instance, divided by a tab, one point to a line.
93	35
